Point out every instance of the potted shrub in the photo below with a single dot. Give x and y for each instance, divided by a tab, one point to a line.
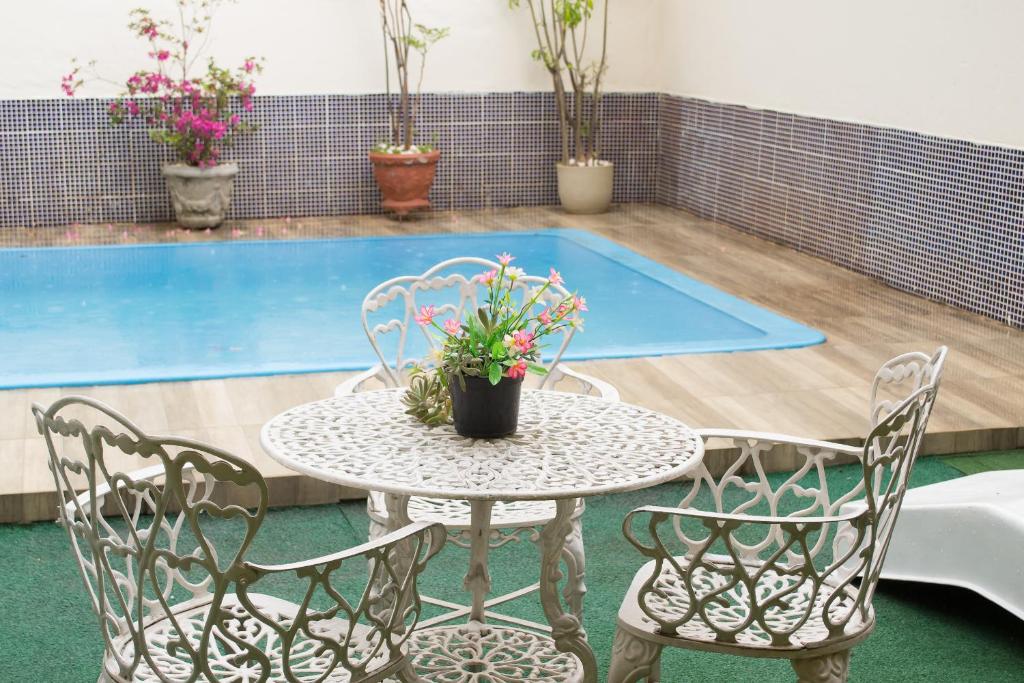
197	117
562	28
404	167
484	358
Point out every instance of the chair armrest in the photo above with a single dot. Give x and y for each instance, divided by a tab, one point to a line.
437	540
354	385
779	439
591	385
736	520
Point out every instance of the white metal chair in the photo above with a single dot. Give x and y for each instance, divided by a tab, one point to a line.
387	313
769	571
164	565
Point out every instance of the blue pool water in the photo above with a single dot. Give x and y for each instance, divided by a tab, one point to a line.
139	313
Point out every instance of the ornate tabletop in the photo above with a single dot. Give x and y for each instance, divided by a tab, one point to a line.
567	446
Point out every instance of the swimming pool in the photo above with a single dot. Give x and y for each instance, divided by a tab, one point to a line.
160	312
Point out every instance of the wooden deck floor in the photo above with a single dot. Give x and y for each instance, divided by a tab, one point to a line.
819	391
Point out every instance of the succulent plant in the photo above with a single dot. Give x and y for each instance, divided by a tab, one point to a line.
427	398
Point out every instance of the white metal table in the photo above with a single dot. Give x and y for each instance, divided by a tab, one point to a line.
567	447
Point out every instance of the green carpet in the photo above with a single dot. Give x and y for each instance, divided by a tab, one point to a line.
987	462
924	633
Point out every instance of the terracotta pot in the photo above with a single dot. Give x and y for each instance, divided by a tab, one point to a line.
405	179
483	410
200	196
585	189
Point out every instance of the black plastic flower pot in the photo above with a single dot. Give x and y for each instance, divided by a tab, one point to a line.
483	410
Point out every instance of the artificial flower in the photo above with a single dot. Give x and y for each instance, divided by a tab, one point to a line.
517	370
426	315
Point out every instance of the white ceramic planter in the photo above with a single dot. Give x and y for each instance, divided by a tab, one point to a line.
585	189
200	196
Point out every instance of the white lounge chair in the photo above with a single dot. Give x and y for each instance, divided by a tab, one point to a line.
966	532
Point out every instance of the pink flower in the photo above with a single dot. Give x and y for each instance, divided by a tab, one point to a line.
545	317
161	56
555	277
487	277
505	258
67	83
426	315
249	66
452	326
580	303
522	340
518	370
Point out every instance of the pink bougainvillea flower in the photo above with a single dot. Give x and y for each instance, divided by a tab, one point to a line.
67	83
518	370
249	66
545	317
487	277
452	326
555	277
580	303
505	258
426	315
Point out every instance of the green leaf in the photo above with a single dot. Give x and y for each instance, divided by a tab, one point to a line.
494	373
497	350
536	369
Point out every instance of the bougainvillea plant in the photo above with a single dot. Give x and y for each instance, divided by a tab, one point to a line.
196	116
498	340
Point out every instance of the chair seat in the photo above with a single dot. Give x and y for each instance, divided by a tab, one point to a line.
307	662
455	514
670	601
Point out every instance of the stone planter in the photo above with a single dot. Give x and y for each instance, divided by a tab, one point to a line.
585	189
200	196
404	179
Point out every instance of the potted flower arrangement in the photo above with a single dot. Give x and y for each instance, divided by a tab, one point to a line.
403	167
196	117
561	28
484	358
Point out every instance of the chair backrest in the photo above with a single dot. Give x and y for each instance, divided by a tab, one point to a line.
143	543
452	288
890	452
900	377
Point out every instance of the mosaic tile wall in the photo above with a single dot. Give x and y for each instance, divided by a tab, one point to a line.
938	217
62	162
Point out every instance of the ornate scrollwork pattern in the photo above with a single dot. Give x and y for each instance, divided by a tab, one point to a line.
567	444
493	654
900	377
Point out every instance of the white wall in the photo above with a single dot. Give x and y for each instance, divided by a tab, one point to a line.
947	67
953	68
311	46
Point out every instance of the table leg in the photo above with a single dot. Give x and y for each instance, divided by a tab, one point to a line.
566	628
398	517
478	580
